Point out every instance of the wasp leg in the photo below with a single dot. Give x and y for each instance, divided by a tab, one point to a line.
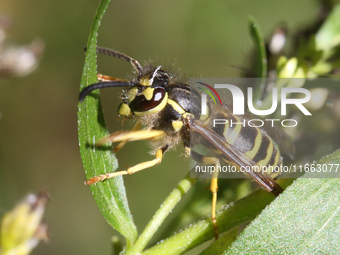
213	184
104	78
128	136
130	170
214	189
121	144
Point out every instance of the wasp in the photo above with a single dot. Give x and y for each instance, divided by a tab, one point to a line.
167	111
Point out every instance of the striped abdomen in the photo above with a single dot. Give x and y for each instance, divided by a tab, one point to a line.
251	141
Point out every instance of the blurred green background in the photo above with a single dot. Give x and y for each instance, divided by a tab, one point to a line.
38	125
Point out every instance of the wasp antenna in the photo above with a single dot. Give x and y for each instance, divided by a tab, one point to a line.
117	54
102	85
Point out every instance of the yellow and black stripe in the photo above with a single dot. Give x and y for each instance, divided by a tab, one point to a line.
251	141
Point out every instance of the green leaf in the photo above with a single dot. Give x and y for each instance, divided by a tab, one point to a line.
256	33
235	214
109	195
261	57
328	35
305	219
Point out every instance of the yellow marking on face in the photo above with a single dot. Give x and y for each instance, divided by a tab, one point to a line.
124	110
131	94
236	131
148	93
145	81
270	149
177	125
257	143
158	108
176	106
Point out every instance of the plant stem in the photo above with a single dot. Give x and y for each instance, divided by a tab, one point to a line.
242	211
168	205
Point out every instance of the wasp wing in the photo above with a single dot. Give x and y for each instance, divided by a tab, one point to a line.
236	156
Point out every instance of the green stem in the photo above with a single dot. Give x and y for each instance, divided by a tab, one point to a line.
165	209
242	211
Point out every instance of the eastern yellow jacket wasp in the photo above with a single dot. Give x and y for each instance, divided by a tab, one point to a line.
169	111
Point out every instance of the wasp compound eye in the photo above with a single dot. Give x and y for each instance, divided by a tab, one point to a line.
142	104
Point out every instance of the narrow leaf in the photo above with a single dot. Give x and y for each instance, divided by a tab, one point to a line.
261	58
255	32
109	195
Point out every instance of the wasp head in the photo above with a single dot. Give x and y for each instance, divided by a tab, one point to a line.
147	96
